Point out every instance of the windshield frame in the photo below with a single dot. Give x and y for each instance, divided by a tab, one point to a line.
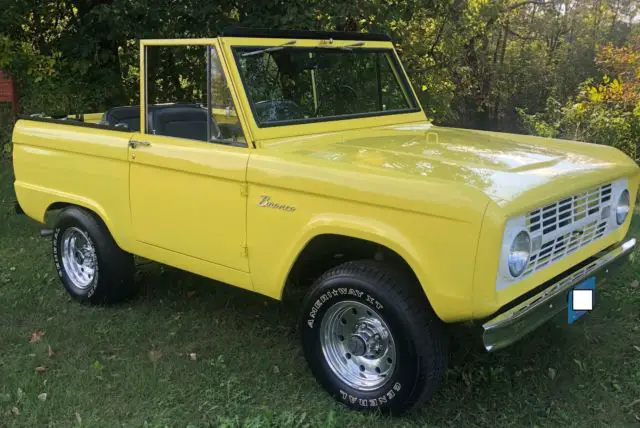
394	63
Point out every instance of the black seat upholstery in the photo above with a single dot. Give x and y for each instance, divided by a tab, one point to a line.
129	118
183	122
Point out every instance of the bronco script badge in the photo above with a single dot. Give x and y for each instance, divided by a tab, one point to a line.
265	201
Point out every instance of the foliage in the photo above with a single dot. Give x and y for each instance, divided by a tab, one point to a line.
604	112
5	129
474	63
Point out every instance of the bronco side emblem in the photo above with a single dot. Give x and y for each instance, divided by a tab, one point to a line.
265	201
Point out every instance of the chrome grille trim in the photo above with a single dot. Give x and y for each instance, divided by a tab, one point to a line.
561	228
565	244
569	210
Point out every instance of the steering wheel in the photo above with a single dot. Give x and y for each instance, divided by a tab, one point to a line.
354	94
275	110
343	103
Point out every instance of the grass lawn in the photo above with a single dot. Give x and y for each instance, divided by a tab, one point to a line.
192	352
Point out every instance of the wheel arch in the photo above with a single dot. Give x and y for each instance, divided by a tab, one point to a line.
91	206
39	202
360	243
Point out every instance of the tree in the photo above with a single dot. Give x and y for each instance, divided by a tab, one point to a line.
474	63
604	112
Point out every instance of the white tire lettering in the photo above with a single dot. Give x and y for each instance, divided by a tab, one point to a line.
356	293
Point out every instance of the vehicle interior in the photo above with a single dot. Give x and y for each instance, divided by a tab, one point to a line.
174	120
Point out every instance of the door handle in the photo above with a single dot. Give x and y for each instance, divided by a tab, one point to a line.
134	144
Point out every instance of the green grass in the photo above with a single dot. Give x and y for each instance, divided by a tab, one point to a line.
129	365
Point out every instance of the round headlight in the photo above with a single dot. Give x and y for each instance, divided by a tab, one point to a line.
622	207
519	253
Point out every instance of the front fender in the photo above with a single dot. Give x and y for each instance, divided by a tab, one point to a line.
440	251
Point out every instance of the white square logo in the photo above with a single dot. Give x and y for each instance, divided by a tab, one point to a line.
582	300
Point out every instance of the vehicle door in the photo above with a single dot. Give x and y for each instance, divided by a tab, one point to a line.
187	169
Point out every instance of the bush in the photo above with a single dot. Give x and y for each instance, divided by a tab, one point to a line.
607	112
6	126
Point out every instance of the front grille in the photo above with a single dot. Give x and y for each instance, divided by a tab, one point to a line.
565	226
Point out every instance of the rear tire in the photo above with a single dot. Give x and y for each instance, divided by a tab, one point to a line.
371	338
93	269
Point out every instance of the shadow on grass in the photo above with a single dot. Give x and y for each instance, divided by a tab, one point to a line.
169	290
474	376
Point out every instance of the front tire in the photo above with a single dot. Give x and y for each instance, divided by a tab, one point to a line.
93	269
371	338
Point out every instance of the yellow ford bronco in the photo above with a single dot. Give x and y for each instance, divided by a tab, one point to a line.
282	159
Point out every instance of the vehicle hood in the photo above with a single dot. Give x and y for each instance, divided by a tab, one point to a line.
502	166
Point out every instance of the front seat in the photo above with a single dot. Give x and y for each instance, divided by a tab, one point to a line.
182	122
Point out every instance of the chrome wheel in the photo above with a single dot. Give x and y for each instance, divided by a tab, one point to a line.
78	257
358	345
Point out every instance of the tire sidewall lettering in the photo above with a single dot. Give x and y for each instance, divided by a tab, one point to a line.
56	255
339	293
383	399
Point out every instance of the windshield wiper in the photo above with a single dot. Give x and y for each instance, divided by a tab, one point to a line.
271	49
351	46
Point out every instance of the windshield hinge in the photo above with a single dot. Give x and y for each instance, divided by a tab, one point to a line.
244	189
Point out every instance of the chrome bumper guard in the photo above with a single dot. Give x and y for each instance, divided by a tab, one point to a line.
516	322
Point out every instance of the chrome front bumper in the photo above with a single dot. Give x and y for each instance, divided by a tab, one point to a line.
518	321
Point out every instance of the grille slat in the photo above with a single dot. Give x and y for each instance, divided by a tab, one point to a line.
568	225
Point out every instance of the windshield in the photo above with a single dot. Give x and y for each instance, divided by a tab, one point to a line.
300	85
